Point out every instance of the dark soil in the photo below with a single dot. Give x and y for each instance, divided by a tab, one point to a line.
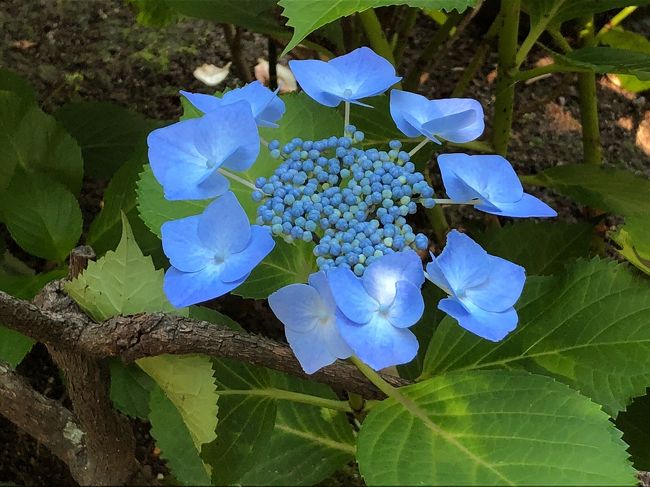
93	50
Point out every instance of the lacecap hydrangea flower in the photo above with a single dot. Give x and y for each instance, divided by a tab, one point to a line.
266	106
186	157
352	202
453	119
212	253
482	288
349	78
491	181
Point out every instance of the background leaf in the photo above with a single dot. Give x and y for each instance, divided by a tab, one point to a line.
108	134
609	60
634	422
491	427
130	389
624	39
42	216
10	81
36	143
587	328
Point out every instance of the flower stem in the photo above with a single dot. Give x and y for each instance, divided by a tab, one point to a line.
375	34
505	85
591	147
419	146
347	115
283	395
617	19
374	377
444	201
234	177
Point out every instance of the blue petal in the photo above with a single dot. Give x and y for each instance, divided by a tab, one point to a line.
436	276
381	277
318	280
455	187
491	326
463	262
455	119
188	288
266	106
181	244
527	206
310	326
299	307
350	295
201	101
228	136
408	111
379	344
242	263
224	227
319	80
364	73
408	306
502	288
184	182
491	176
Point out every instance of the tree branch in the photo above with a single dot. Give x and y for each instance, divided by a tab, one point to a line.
145	335
44	419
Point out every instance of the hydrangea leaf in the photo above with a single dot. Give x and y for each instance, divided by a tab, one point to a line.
174	440
554	12
13	346
286	264
130	389
42	215
609	60
188	382
120	197
245	420
624	39
10	81
154	13
34	142
586	327
542	247
491	428
305	17
124	281
308	444
614	190
108	134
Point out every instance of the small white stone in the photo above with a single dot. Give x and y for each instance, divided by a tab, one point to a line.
212	75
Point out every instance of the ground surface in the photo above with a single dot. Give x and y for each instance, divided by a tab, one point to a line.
92	50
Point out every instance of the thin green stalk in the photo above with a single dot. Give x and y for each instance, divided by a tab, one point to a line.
435	215
374	377
616	20
559	39
536	30
375	34
283	395
548	69
412	79
591	147
505	85
404	31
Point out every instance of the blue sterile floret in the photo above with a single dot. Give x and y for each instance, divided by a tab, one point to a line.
356	199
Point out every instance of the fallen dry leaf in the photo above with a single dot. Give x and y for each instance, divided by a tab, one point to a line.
23	44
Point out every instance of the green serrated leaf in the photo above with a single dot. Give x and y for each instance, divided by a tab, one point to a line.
556	12
174	440
613	190
42	216
542	248
624	39
306	17
124	281
634	241
286	264
120	197
587	328
188	382
308	444
108	134
491	428
245	420
34	142
609	60
130	389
